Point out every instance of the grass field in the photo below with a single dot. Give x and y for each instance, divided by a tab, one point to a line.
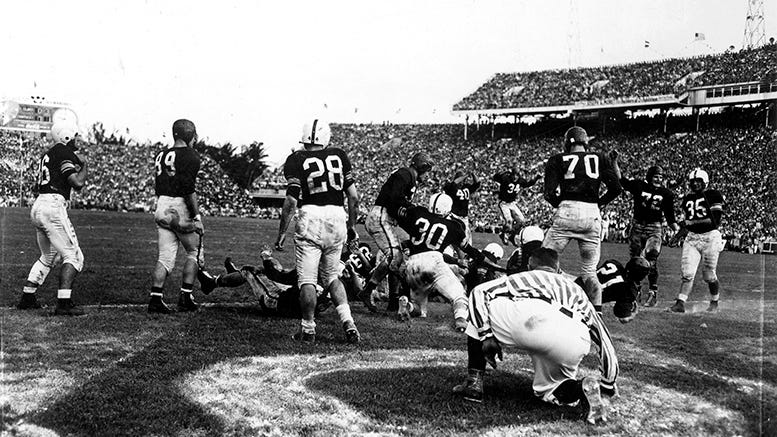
229	370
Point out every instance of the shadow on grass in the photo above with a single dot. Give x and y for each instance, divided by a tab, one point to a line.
421	398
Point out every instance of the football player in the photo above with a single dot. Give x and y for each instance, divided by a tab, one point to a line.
396	193
652	204
461	189
572	183
177	217
510	182
60	170
281	296
620	284
430	231
702	242
527	241
319	180
549	317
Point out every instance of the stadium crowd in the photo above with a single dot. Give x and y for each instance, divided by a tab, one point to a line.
738	159
636	81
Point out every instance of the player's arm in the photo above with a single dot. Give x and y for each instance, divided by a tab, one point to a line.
608	360
76	179
352	197
293	191
669	215
399	183
715	200
525	183
612	184
190	169
551	183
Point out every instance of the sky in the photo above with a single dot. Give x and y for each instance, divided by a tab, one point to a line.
256	71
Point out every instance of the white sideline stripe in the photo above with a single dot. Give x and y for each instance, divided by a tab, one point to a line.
149	268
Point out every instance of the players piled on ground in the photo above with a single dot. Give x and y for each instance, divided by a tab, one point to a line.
492	304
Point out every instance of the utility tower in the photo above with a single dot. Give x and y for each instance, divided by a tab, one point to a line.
573	36
755	27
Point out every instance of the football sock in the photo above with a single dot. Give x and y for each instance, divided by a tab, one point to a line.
569	391
682	297
475	357
308	326
156	292
344	312
29	290
64	293
714	290
187	288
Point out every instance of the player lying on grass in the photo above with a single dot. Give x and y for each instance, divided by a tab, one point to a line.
278	291
620	284
550	317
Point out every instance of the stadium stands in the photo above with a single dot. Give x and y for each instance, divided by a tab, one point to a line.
612	83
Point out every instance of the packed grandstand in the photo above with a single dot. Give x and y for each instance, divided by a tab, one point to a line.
736	146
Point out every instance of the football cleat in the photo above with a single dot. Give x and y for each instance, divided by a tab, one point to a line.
713	308
186	303
351	333
158	306
651	298
678	307
304	337
28	302
460	324
366	298
230	266
65	307
632	316
471	389
208	282
592	397
403	313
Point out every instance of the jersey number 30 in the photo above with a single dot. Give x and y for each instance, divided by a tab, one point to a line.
432	237
320	172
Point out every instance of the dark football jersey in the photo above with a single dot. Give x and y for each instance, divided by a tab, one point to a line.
650	202
176	171
428	231
322	175
460	194
397	192
697	210
509	185
55	166
612	275
578	176
359	266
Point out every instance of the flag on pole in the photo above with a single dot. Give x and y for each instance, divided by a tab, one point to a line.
647	43
698	36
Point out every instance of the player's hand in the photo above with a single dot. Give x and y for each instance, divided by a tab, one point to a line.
463	263
80	158
609	392
279	242
198	227
491	350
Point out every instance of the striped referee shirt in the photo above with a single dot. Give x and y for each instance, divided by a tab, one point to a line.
562	294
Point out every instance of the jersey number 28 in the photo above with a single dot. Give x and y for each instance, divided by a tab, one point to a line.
328	170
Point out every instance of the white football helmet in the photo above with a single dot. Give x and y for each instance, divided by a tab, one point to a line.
698	173
63	132
317	132
530	233
494	249
440	204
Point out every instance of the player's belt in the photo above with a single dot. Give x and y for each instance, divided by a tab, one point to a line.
563	310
